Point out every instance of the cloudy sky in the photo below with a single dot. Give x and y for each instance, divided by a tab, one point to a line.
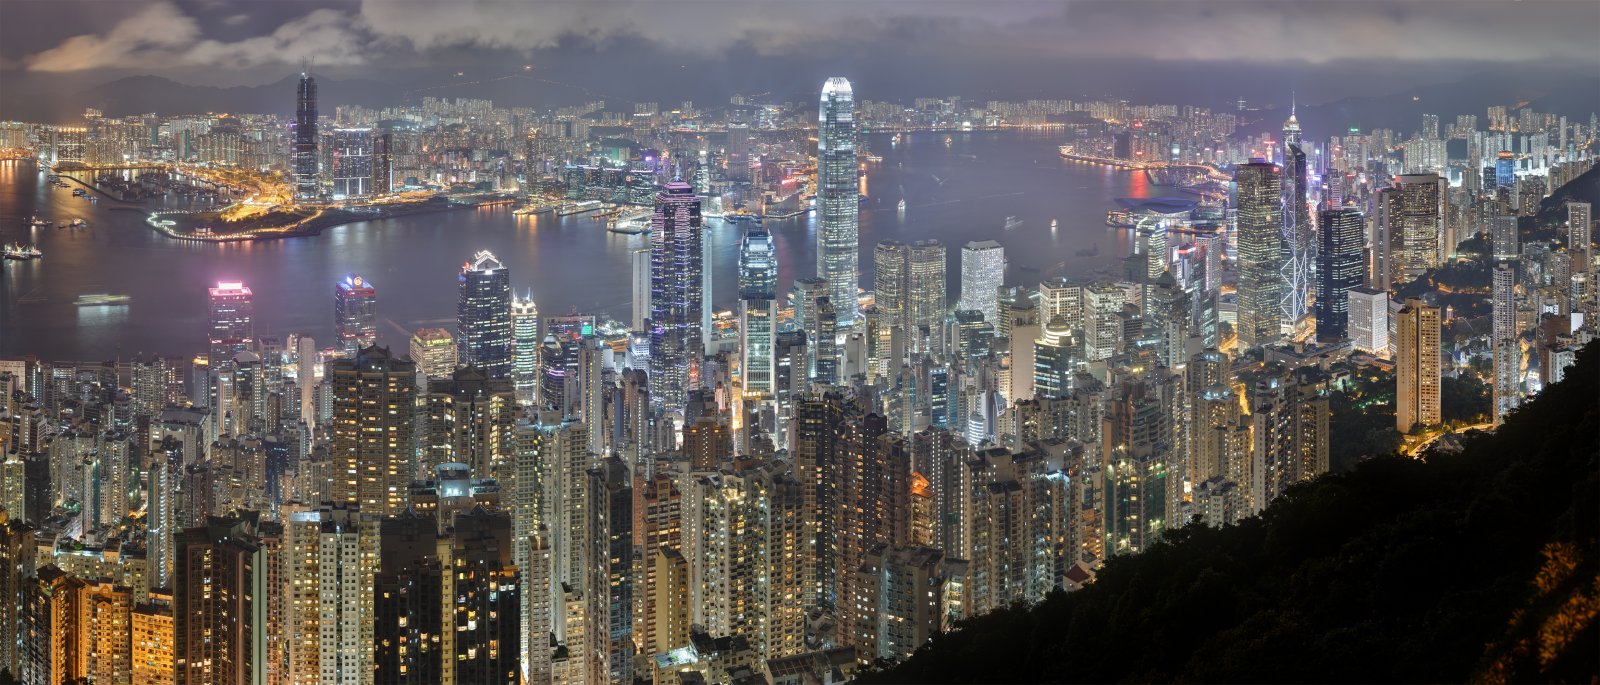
739	43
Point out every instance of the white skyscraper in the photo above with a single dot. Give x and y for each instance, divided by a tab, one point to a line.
983	272
525	340
641	287
838	198
1369	320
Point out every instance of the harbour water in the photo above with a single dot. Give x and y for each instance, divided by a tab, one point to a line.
955	192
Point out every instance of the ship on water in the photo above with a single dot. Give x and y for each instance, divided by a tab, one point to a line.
103	300
20	252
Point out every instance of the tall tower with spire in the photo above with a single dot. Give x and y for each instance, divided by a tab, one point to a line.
304	155
1297	229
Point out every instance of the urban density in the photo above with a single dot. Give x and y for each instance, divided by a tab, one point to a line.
785	471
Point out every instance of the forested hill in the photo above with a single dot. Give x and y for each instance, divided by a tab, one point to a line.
1480	565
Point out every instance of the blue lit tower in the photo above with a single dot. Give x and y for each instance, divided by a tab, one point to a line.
1297	244
483	316
303	161
838	197
355	314
1340	267
758	310
1259	205
676	261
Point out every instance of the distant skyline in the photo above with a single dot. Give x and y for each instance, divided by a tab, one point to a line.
560	52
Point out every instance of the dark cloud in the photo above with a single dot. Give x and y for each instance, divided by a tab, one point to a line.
167	34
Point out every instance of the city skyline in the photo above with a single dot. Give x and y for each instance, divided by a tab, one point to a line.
791	371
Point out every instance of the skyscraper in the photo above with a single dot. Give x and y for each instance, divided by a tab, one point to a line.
1505	346
1297	246
1580	222
352	163
434	352
219	603
1368	320
304	157
889	263
355	314
758	310
525	348
1339	268
1417	366
374	451
1411	222
676	261
232	331
484	315
838	197
639	269
1260	214
925	293
983	272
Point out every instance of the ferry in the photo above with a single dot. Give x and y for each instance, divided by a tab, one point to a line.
79	192
1120	218
1052	224
740	217
1012	223
103	300
18	251
77	223
37	222
902	206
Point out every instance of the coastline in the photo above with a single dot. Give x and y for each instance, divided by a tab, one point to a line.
307	227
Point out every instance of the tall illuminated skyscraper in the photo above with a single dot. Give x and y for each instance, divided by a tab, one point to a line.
925	293
758	310
838	197
1417	366
434	352
1260	214
374	448
1504	342
483	315
1411	224
1297	246
303	161
1339	268
352	163
676	260
983	272
232	330
525	348
889	262
355	314
1580	223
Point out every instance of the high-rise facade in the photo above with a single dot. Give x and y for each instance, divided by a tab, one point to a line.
483	313
433	350
1260	217
1297	247
1504	340
525	348
758	311
676	282
838	197
355	314
1367	320
374	449
1580	225
983	272
1340	267
1411	222
304	160
889	263
925	294
1417	366
219	603
330	555
231	326
352	163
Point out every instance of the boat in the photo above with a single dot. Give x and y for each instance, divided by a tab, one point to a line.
740	217
78	192
37	222
78	223
1052	224
1012	222
902	206
1120	218
20	252
103	300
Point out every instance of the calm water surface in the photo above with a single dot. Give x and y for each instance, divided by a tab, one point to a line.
954	193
